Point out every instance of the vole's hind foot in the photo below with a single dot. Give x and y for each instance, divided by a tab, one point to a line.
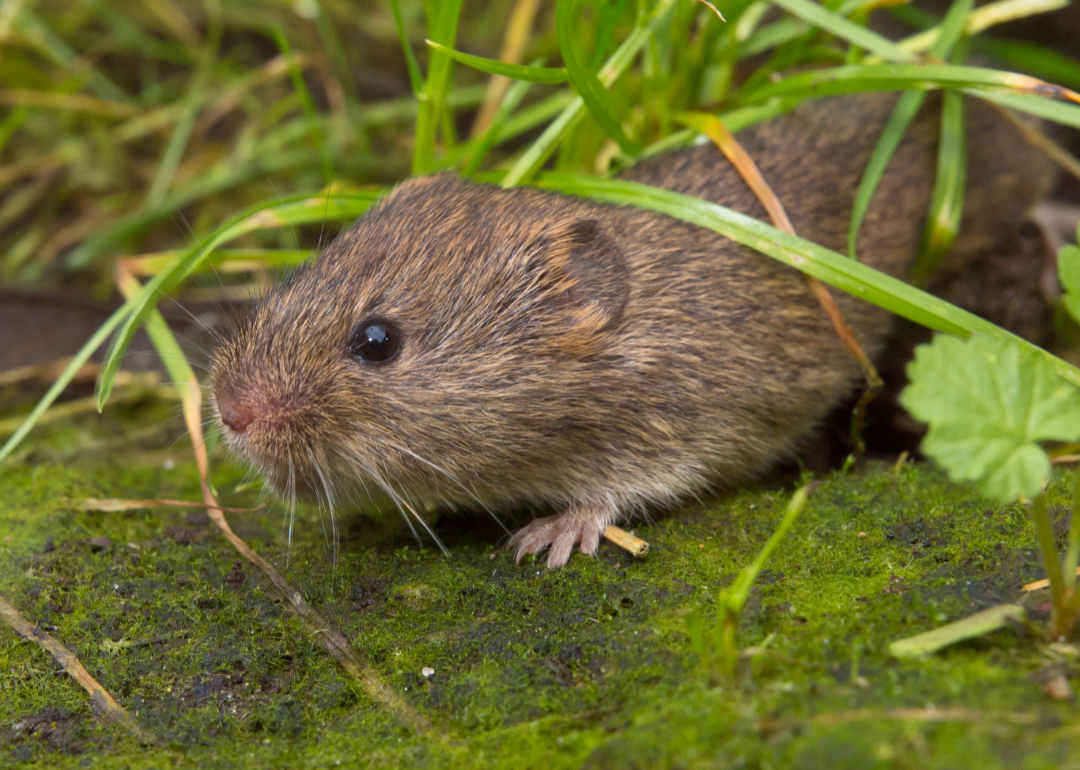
581	524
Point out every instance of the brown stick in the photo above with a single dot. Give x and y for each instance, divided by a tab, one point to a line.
744	164
104	703
620	537
119	505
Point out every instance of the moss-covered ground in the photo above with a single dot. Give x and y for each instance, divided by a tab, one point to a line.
590	665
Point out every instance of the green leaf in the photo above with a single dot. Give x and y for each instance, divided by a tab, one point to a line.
515	71
1039	60
65	378
988	404
979	624
510	101
597	98
1059	112
1069	275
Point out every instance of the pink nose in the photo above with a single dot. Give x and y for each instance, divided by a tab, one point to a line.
235	416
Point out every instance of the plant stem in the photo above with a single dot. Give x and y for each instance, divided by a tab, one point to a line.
1072	554
732	600
1049	552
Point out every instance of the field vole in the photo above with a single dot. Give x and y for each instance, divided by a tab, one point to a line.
478	346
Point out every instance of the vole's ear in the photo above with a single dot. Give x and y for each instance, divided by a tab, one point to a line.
585	272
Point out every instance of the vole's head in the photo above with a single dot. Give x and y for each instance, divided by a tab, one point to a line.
439	349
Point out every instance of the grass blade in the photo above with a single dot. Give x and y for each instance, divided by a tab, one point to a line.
540	150
164	341
947	200
979	624
1040	61
1065	114
312	114
178	142
528	72
808	257
887	77
980	19
416	80
442	30
843	28
494	130
903	114
298	210
65	378
589	88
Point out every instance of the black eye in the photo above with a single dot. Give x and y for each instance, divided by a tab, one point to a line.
375	341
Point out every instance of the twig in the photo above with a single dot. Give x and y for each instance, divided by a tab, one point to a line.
620	537
1038	585
118	505
48	371
104	703
926	715
336	644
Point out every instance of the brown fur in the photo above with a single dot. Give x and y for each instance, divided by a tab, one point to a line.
594	358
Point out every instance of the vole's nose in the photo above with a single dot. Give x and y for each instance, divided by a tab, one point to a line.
234	415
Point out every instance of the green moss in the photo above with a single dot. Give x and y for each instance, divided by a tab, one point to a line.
588	665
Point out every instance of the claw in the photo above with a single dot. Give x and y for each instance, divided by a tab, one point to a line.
581	524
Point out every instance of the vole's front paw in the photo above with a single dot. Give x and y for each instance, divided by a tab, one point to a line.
580	524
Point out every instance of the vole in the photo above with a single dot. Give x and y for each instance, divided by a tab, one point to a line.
469	345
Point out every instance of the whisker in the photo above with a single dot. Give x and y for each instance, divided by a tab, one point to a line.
452	477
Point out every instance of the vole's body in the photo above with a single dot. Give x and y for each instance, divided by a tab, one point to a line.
593	358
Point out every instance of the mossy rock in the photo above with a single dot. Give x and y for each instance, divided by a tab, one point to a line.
585	666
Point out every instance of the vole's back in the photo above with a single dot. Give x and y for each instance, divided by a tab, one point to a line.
770	363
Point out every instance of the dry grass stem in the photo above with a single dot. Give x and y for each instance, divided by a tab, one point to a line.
104	703
620	537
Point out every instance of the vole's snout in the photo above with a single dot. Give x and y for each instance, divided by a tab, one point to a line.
235	416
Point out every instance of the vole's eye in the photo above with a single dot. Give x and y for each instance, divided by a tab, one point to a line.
375	341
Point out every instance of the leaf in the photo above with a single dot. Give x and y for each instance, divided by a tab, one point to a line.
1069	275
442	28
416	80
1065	114
988	403
493	67
979	624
